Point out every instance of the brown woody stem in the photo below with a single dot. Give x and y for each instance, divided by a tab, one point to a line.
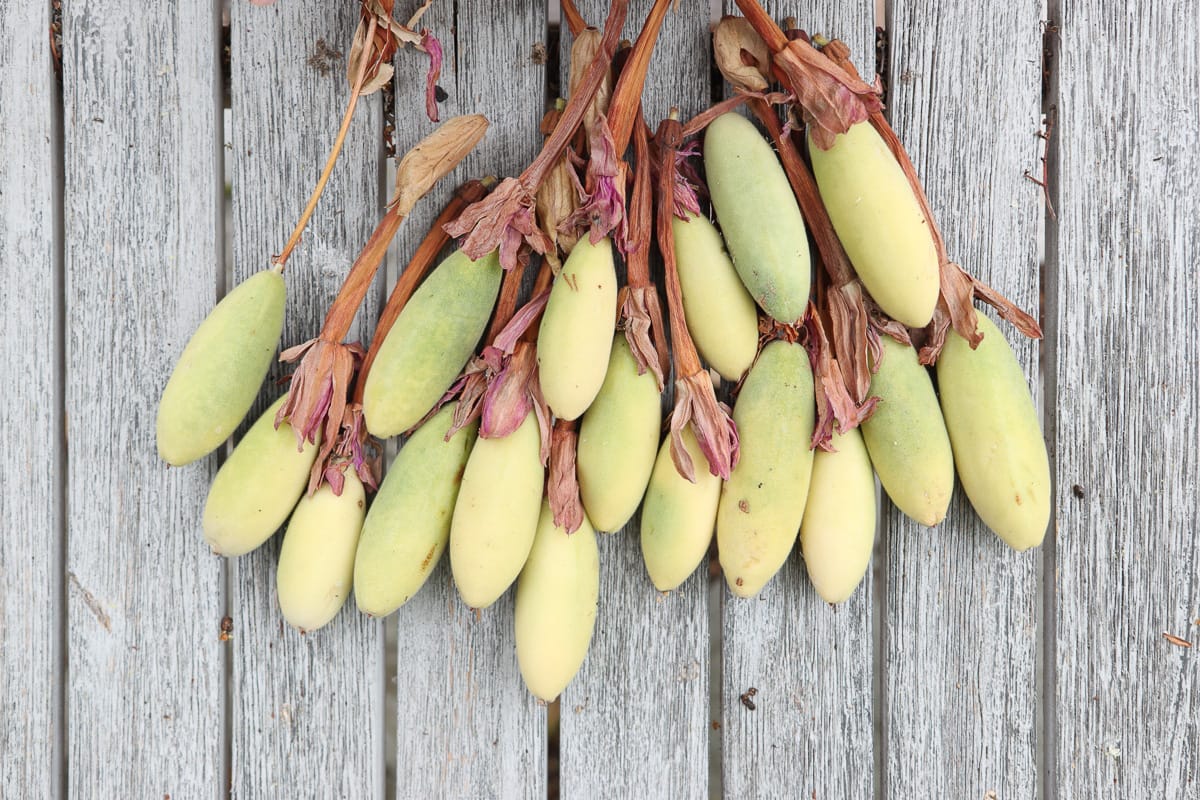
763	25
641	210
574	19
625	107
545	278
669	136
506	305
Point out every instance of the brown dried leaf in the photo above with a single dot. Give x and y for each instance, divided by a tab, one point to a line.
435	156
741	55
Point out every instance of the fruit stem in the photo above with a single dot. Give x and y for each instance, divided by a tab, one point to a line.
669	136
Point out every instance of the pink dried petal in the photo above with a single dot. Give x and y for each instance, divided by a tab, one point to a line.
507	339
504	220
562	486
506	401
714	428
433	47
848	315
686	181
642	323
603	208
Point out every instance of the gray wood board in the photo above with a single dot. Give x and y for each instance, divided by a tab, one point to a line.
1127	701
31	501
142	199
307	709
466	726
810	733
962	637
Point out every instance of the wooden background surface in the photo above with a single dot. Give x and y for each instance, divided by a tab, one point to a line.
958	670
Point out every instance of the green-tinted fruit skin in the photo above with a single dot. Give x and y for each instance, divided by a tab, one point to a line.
257	486
906	436
759	216
430	342
880	223
408	525
316	561
221	370
618	438
576	334
678	516
763	501
998	447
496	513
555	614
838	530
720	313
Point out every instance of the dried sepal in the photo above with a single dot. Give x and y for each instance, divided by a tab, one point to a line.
355	449
696	403
834	403
562	485
741	55
955	308
433	157
603	208
851	335
584	49
687	179
642	324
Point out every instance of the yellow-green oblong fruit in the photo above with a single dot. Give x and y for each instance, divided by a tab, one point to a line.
759	216
906	436
406	530
998	446
720	313
555	612
838	530
430	343
618	438
221	370
576	334
496	513
763	501
257	486
678	516
316	561
880	223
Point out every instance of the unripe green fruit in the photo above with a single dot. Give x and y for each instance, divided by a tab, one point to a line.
407	527
430	343
576	334
879	222
759	216
617	441
998	446
221	370
763	501
678	516
257	486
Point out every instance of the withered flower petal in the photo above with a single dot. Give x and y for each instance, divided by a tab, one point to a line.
603	208
851	340
505	219
642	322
583	51
832	99
507	401
716	433
433	48
433	157
834	403
741	54
562	485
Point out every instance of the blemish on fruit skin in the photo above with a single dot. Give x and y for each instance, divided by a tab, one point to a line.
743	506
428	558
1018	499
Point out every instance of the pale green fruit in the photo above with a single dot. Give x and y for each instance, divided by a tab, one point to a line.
678	516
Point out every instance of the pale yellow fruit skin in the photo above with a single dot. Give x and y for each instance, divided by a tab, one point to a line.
576	333
763	501
408	524
316	561
221	370
555	613
879	222
838	531
496	513
257	486
430	343
998	446
618	439
906	436
720	313
678	516
759	216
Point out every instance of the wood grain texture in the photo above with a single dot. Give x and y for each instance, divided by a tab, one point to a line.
810	732
1127	704
31	501
307	709
142	198
466	726
962	631
635	721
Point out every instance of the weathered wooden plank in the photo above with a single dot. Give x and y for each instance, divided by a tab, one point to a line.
31	498
142	198
463	713
1127	700
307	709
962	633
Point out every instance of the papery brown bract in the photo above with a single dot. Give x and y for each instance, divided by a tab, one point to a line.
715	431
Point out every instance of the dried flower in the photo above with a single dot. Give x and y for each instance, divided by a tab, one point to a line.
584	50
716	433
562	484
834	403
603	207
642	322
741	55
433	157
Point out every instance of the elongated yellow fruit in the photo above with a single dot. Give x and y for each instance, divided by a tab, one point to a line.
880	223
906	436
576	334
678	516
406	530
555	614
316	561
720	313
496	513
759	216
617	441
998	446
763	501
257	486
838	530
221	370
431	342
